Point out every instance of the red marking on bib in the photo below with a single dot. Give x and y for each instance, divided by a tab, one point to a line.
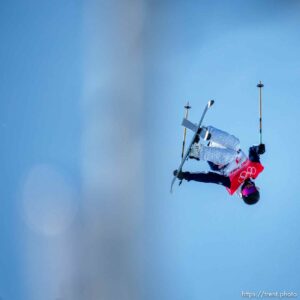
247	170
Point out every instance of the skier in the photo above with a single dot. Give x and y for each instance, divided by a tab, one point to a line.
232	167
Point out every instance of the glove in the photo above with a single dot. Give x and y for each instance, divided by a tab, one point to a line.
180	175
261	149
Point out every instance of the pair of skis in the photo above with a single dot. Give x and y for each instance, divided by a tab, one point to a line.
195	128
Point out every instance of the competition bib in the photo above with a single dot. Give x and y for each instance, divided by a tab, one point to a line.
247	170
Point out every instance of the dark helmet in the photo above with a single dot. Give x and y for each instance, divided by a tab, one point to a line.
250	193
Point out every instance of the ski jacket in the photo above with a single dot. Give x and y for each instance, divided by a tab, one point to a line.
241	157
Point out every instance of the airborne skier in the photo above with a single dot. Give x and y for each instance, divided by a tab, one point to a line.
232	167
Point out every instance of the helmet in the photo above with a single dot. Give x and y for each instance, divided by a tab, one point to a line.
250	193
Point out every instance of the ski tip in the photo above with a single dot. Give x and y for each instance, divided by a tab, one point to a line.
210	103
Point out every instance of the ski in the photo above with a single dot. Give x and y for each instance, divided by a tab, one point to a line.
209	104
189	125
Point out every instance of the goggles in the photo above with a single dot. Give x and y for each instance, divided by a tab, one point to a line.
249	190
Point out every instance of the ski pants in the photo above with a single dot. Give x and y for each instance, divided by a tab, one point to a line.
208	177
222	147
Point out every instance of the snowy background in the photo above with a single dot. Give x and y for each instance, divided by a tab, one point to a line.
92	96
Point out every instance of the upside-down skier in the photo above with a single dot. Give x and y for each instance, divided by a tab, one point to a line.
231	167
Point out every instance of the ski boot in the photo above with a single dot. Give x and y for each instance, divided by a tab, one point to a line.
195	150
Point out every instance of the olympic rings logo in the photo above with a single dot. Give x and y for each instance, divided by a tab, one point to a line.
251	171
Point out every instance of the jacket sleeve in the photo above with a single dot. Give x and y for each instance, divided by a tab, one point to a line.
209	177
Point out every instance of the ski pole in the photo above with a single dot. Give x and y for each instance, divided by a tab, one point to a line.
260	86
187	107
